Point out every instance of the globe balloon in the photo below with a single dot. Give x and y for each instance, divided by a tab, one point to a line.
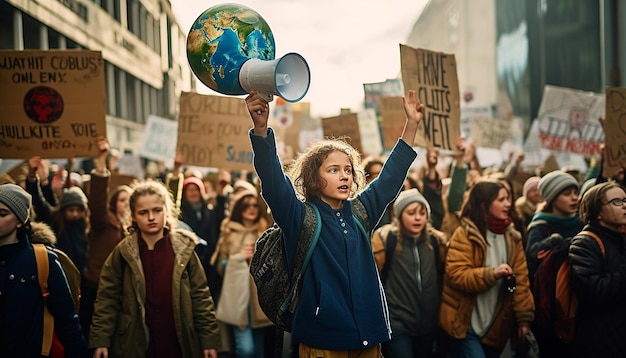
221	40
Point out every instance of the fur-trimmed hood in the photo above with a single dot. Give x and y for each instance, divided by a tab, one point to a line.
42	234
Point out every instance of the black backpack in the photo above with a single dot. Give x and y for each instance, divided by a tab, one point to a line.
277	288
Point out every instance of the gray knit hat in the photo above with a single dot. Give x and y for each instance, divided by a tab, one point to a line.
73	196
17	200
553	183
407	197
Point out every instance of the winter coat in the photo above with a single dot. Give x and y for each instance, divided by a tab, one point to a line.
413	277
106	229
119	320
342	303
466	276
600	282
234	236
22	304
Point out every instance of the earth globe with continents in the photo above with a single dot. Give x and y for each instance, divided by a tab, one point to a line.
221	39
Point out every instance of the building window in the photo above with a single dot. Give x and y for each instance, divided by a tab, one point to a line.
6	26
32	38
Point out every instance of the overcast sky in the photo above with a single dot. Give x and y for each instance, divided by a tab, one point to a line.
346	43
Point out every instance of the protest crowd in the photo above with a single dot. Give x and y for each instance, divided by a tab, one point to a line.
453	263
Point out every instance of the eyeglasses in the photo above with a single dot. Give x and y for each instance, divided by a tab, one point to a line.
247	206
616	202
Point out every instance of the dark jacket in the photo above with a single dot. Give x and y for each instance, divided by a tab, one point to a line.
342	304
543	226
207	227
600	282
21	304
414	279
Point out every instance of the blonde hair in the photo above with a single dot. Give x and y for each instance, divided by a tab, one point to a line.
150	187
304	171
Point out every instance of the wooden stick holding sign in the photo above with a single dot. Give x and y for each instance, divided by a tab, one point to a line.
433	76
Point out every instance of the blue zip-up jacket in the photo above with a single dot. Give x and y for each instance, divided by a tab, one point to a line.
342	303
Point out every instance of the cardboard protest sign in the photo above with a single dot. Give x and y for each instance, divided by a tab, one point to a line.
369	132
490	132
433	76
615	130
157	142
374	92
569	121
213	131
393	120
467	113
52	103
130	164
343	126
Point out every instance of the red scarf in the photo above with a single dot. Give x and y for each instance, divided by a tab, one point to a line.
498	226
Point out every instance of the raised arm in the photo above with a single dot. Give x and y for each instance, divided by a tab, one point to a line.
414	113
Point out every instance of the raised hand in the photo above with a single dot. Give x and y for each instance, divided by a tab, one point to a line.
259	112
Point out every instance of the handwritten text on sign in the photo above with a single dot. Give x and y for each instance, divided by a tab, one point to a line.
569	121
213	131
52	103
433	76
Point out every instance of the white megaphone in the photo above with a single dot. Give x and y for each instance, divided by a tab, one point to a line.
287	77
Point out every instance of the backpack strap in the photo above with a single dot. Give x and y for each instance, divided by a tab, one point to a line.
595	237
309	236
43	270
390	249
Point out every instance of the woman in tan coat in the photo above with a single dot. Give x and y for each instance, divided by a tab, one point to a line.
239	304
486	291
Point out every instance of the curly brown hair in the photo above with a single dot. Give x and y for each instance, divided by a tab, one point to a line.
304	171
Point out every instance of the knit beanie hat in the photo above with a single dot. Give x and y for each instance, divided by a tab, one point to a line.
197	182
530	184
17	200
407	197
73	196
586	186
553	183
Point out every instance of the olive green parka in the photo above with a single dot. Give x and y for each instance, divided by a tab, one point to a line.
119	321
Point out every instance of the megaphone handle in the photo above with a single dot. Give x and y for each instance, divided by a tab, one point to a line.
268	97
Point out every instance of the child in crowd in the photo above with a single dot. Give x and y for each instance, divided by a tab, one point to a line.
153	297
21	301
557	219
409	254
342	310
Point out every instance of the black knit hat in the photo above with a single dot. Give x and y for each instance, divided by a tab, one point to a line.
73	196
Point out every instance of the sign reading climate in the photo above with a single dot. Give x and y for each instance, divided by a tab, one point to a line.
52	103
